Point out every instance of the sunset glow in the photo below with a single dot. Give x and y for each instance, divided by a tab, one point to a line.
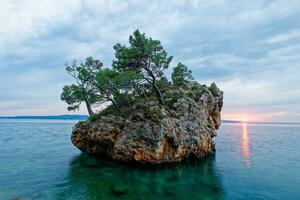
245	145
244	120
243	117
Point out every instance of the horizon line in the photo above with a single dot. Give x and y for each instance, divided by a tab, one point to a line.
84	115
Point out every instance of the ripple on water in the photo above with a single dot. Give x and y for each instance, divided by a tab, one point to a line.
38	161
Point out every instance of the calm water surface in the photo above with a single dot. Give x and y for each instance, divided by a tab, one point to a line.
38	161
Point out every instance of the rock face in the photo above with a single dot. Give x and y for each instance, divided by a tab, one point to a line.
184	129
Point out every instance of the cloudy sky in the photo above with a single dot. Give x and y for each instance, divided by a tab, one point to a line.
251	49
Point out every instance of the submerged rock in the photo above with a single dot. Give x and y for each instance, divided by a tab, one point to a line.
184	128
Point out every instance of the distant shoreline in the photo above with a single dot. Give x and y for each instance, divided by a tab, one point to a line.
85	117
239	122
50	117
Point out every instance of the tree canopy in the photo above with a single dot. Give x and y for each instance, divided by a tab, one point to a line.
137	74
181	74
144	56
82	91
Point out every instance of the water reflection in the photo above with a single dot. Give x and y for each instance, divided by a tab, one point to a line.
245	145
91	178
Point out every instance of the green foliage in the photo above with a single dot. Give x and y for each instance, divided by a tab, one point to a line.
163	83
94	117
154	112
123	98
109	110
195	87
73	96
117	87
128	79
181	74
174	98
190	94
144	56
105	84
82	91
204	89
135	81
210	122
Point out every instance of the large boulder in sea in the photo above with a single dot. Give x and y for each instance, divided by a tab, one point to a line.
182	128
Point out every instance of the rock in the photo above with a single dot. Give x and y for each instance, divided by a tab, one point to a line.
119	191
216	112
184	129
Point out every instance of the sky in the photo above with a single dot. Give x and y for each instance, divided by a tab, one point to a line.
251	49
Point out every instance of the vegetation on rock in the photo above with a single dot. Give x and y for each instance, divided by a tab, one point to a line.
136	80
181	74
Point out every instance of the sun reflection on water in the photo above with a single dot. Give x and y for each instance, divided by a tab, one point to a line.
245	145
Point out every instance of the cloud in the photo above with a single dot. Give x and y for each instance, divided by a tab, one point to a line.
291	35
249	48
21	20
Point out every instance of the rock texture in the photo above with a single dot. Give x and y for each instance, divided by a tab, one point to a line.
184	129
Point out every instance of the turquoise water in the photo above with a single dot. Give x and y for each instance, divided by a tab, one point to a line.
38	161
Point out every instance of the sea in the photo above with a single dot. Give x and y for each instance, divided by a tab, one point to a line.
252	161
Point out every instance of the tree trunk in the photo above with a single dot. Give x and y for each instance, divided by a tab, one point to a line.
145	97
158	94
115	106
89	108
112	101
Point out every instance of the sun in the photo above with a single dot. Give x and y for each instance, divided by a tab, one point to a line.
242	117
244	120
